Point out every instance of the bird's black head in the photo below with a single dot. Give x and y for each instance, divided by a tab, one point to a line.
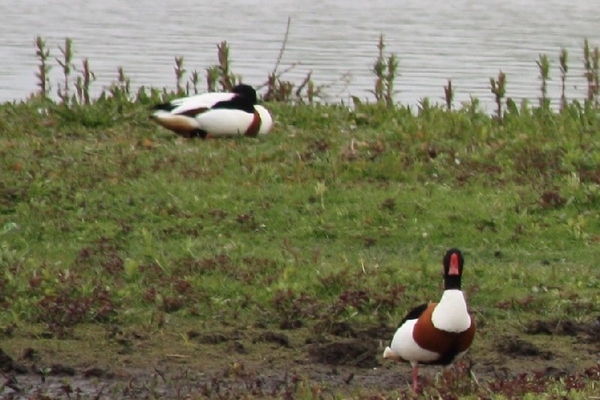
244	99
245	91
453	268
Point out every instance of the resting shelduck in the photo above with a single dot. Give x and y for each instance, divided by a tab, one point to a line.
436	333
215	114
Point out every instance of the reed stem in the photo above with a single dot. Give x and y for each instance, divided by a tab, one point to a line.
449	95
564	69
43	54
66	64
543	64
498	88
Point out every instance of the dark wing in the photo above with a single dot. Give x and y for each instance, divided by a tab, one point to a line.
415	313
237	103
164	107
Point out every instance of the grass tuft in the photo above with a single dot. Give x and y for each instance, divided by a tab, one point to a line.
386	71
498	88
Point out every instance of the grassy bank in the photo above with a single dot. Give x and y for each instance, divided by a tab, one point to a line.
117	233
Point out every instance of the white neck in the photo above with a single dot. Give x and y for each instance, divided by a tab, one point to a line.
451	313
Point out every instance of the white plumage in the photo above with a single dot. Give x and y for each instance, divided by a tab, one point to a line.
436	333
215	114
228	122
404	346
451	314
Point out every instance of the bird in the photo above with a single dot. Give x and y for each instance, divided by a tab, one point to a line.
215	114
436	333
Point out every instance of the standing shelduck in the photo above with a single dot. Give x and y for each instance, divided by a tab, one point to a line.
436	333
215	114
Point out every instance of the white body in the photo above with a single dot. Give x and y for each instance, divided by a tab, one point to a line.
403	346
215	121
226	122
449	315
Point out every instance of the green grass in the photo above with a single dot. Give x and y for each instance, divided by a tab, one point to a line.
340	215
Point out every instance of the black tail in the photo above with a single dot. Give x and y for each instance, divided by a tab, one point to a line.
163	106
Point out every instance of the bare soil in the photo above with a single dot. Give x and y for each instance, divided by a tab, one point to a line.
231	361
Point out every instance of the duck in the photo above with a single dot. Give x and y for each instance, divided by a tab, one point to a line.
436	333
215	114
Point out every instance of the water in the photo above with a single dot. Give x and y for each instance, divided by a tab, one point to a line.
467	41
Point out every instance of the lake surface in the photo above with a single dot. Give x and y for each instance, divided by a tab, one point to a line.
467	41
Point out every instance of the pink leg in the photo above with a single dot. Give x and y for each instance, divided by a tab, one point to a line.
415	377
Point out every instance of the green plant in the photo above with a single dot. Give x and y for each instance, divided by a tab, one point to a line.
277	89
498	88
44	68
385	70
449	95
194	81
543	64
591	63
179	74
564	69
67	65
83	83
121	89
221	73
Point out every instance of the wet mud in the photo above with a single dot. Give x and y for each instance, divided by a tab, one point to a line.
229	363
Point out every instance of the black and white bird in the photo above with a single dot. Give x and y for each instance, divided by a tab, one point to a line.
436	333
215	114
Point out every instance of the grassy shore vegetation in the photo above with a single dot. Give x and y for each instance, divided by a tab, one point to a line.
278	267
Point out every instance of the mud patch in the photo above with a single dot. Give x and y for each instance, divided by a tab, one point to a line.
61	370
346	330
30	354
341	329
213	337
238	347
273	337
7	364
514	346
95	372
585	332
356	353
258	362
